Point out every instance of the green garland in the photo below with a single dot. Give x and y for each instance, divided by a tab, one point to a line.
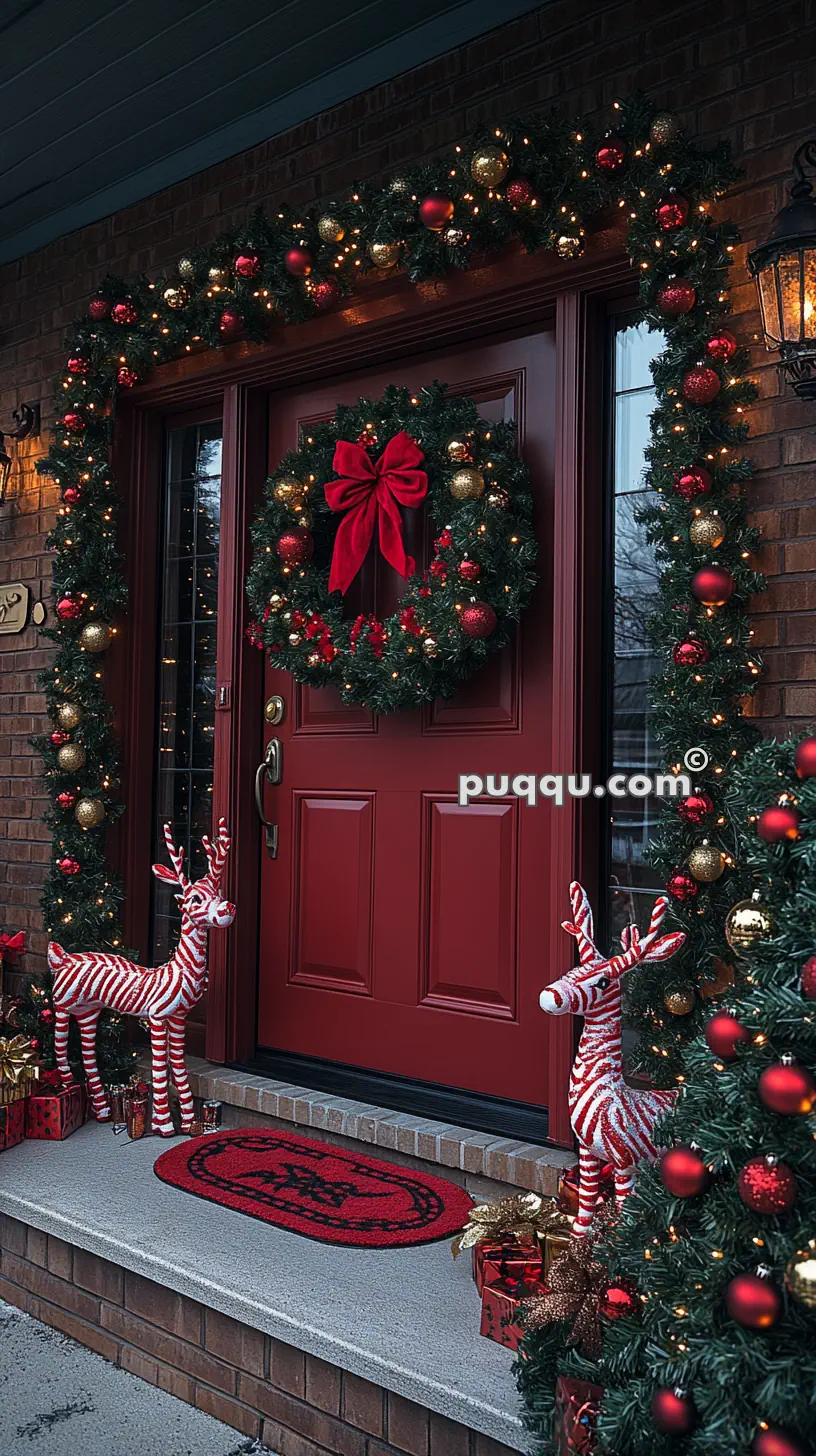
482	561
542	181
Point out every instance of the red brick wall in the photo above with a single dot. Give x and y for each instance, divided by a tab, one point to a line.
743	69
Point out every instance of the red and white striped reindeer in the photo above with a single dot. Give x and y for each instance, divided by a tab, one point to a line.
613	1123
87	982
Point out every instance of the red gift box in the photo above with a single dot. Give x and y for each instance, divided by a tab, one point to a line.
508	1260
12	1124
500	1308
576	1414
55	1112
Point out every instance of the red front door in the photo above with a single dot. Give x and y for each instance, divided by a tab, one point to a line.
401	932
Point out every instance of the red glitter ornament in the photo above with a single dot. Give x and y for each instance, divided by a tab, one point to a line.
325	293
66	799
724	1033
247	265
435	211
787	1088
519	192
767	1186
692	482
753	1300
126	378
775	1442
672	212
620	1299
683	1172
701	384
299	262
58	738
77	365
673	1412
73	422
46	1016
99	308
712	585
68	609
230	322
611	156
681	885
690	653
676	297
125	312
478	620
71	494
809	979
778	823
696	808
804	759
722	346
469	570
295	548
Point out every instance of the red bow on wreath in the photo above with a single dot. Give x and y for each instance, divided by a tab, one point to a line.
368	491
12	944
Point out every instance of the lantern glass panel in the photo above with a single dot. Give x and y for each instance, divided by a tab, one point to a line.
770	308
810	293
789	268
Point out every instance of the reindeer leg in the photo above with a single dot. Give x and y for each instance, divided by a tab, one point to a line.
178	1067
62	1020
589	1189
87	1034
162	1121
624	1183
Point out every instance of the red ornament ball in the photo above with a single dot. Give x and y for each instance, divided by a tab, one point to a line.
66	799
435	211
754	1302
77	365
125	312
787	1088
681	885
611	156
804	759
68	609
620	1299
724	1033
478	620
778	823
73	422
295	548
701	384
469	570
71	494
690	653
519	192
673	1412
230	322
809	979
298	261
58	738
767	1186
683	1172
722	347
126	378
99	308
712	585
672	212
692	482
696	808
324	294
676	297
775	1442
247	265
46	1016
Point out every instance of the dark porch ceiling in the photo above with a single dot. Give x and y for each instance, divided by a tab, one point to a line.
107	101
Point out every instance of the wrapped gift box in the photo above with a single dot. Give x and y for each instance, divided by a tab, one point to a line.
500	1310
511	1260
55	1113
554	1244
576	1414
12	1124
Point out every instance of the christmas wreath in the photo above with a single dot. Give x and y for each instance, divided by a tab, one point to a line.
344	487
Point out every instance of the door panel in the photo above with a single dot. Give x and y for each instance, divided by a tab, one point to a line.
400	932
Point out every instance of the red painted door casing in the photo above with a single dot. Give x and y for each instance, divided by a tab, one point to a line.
401	932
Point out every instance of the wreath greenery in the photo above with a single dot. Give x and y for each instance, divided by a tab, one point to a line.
452	615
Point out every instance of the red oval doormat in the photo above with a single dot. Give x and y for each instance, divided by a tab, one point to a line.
315	1189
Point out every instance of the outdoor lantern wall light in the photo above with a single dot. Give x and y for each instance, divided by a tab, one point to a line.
26	422
785	273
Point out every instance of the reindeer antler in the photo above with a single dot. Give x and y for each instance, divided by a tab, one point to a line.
581	924
650	948
176	856
217	853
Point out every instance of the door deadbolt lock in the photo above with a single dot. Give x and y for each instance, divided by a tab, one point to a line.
274	710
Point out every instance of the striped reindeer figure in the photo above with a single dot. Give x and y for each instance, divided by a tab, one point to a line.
87	982
612	1122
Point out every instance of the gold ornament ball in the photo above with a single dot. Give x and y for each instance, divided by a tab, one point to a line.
95	637
467	484
384	255
455	237
330	228
665	128
288	489
89	812
707	531
800	1275
218	277
69	715
294	638
71	757
186	269
489	166
720	978
706	862
430	647
458	449
568	246
303	512
497	499
276	602
399	186
176	295
679	1001
746	925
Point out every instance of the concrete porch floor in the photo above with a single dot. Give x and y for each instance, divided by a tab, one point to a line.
406	1319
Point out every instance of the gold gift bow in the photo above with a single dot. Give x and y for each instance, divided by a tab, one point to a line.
18	1065
575	1283
523	1215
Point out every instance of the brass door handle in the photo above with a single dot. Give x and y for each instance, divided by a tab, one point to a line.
271	771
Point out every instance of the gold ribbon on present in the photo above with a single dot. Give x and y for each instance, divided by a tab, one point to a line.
523	1216
575	1284
18	1067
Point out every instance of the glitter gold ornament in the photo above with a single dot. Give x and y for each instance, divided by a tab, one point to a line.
399	186
746	924
568	246
330	228
706	862
69	715
707	531
71	758
800	1275
455	237
89	813
176	295
458	449
276	602
467	484
218	277
665	128
497	499
186	269
384	255
679	1001
288	489
95	637
430	647
489	166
